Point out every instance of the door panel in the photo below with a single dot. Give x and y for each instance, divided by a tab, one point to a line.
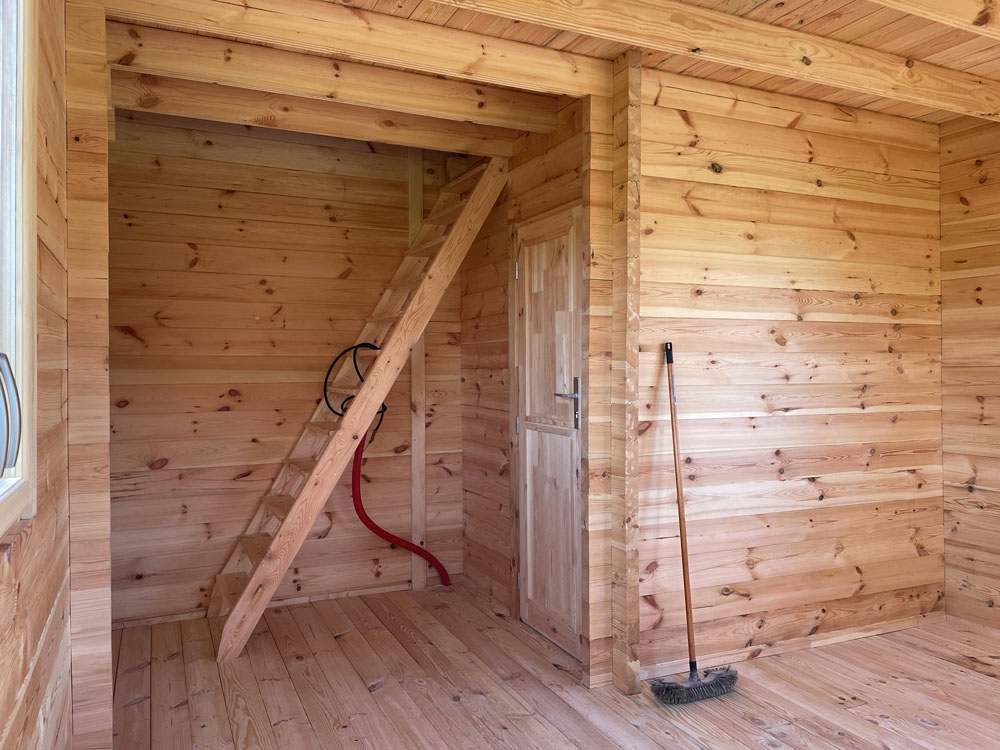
548	328
550	361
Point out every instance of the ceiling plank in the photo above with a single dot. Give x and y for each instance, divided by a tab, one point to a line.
208	101
978	16
326	28
672	26
200	58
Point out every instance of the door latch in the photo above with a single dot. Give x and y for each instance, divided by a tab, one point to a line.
575	395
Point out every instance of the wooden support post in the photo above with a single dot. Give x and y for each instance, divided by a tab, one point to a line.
418	393
597	160
89	390
625	373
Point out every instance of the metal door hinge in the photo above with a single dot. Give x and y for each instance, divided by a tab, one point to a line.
517	425
517	270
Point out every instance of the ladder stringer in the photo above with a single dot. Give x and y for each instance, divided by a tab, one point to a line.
269	566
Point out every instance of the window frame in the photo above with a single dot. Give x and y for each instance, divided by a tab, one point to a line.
18	494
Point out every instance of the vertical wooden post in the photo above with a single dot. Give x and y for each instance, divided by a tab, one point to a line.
597	153
89	410
418	394
625	373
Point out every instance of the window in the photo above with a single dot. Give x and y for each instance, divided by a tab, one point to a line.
17	276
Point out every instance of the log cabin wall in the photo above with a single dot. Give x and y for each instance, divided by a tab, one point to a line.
242	261
970	272
546	175
790	251
549	174
34	554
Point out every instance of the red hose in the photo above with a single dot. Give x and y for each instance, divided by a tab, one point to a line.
378	530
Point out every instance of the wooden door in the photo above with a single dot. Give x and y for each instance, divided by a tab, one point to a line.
549	358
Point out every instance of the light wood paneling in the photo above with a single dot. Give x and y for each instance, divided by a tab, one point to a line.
809	398
326	28
35	683
670	26
628	125
971	372
185	98
172	54
545	176
598	143
433	669
87	136
220	340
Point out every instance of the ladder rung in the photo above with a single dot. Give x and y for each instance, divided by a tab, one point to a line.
303	465
327	427
467	180
426	249
385	318
256	546
278	505
343	390
446	215
228	587
407	284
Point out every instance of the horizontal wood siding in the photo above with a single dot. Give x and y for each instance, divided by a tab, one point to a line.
970	271
795	267
34	555
242	262
545	176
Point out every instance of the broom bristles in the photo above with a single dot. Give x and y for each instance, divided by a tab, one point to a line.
716	682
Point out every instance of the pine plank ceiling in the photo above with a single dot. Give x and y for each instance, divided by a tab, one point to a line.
856	21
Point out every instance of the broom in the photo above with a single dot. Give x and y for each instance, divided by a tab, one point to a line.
715	682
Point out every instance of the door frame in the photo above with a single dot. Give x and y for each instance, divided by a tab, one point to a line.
570	217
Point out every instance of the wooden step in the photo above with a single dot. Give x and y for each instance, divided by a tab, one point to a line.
303	466
446	215
278	505
228	587
407	285
379	319
344	390
325	427
466	181
426	249
256	546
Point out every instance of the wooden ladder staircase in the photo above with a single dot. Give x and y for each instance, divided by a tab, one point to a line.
314	466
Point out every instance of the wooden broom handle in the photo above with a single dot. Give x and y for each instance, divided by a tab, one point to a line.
681	523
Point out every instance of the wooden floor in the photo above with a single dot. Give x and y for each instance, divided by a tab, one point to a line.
437	669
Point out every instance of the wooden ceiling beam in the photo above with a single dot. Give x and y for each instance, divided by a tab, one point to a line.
200	58
326	28
978	16
208	101
679	28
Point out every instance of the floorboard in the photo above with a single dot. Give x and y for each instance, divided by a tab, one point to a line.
438	669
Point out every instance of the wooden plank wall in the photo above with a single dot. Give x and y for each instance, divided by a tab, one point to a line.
34	555
625	325
790	251
87	132
970	271
549	173
242	262
598	147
